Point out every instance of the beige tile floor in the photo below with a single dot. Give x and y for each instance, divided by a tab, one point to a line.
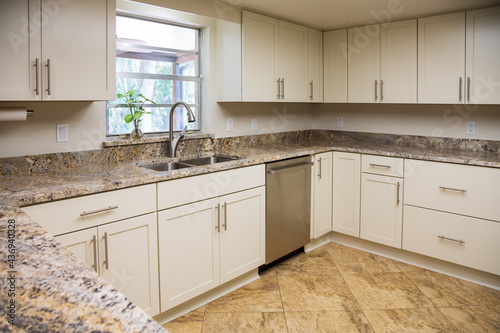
336	288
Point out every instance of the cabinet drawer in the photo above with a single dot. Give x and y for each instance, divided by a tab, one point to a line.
422	228
382	165
182	191
64	216
461	189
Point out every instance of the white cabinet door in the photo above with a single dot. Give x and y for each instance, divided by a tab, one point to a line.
259	58
346	192
78	41
441	59
483	54
398	68
315	65
242	242
364	64
381	209
20	47
335	69
128	259
83	244
322	194
293	62
188	251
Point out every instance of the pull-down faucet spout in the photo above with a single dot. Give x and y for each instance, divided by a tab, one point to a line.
173	143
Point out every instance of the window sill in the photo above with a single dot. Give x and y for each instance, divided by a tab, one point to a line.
115	141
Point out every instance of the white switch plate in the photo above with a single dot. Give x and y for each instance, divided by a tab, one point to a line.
229	125
471	128
340	122
62	133
254	124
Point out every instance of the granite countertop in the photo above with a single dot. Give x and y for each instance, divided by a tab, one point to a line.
55	291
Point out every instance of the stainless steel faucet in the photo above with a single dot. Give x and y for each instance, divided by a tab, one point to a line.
174	143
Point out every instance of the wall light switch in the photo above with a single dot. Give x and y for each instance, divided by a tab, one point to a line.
62	133
229	125
340	122
471	128
254	124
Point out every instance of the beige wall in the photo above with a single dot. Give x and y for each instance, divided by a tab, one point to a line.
427	120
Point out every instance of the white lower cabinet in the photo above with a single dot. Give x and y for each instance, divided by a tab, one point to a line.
381	209
125	254
207	243
346	192
322	194
459	239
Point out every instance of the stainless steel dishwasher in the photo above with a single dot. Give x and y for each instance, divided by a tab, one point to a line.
288	206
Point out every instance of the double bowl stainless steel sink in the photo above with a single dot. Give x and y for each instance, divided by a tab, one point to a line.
170	166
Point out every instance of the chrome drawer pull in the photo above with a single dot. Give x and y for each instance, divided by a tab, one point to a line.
224	205
320	169
398	200
460	89
106	258
451	239
217	227
279	88
37	78
98	210
380	166
452	189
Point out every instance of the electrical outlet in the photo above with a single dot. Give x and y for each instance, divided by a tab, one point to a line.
62	133
254	124
229	125
340	122
471	128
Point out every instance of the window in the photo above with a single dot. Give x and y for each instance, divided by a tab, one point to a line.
162	62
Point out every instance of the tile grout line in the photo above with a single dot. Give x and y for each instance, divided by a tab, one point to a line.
281	299
430	300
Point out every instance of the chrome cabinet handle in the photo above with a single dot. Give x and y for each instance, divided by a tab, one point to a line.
37	77
452	189
320	168
381	90
49	90
460	89
225	216
376	87
452	239
283	88
279	88
217	227
380	166
468	89
98	210
397	200
94	241
106	259
312	90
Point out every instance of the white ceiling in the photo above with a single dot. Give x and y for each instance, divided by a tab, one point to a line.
334	14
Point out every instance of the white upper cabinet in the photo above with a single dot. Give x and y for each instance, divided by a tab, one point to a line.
259	58
482	56
398	62
292	62
335	66
274	60
441	59
382	63
363	62
57	50
315	65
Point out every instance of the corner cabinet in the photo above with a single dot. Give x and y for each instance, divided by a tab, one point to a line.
47	54
335	66
315	65
382	62
274	60
346	192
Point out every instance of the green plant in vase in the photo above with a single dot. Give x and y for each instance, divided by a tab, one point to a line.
135	102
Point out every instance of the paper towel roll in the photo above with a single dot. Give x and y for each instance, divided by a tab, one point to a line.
14	114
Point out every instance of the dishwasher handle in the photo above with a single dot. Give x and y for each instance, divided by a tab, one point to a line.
278	171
